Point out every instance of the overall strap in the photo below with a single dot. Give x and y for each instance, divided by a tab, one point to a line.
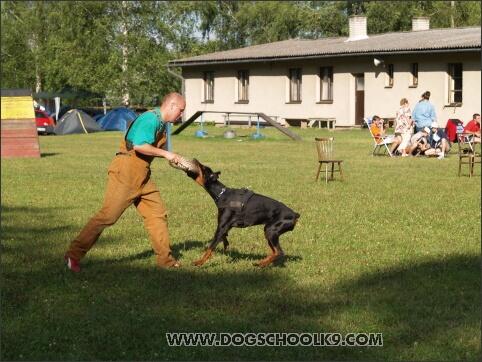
128	129
156	111
160	119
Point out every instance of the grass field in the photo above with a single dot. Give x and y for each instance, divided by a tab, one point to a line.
395	250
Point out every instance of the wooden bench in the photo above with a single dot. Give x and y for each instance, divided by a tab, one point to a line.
329	122
242	118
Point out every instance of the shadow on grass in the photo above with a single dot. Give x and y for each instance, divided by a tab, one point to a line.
232	254
48	154
123	313
122	310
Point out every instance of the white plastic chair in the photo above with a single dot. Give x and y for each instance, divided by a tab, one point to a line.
380	143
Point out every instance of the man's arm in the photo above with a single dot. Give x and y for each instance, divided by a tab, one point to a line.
149	150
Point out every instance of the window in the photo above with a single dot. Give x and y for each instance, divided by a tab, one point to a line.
209	87
326	84
243	84
295	85
455	83
414	75
389	79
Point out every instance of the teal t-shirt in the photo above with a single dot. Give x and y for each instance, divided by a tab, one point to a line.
145	128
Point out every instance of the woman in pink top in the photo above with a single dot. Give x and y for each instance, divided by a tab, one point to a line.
403	126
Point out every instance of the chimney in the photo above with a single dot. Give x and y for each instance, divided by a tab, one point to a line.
420	24
358	27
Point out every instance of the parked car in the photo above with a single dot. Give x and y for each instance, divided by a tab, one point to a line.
45	124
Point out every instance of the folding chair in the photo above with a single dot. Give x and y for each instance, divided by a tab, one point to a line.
324	147
467	141
379	142
467	154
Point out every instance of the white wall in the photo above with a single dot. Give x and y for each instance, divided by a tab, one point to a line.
268	87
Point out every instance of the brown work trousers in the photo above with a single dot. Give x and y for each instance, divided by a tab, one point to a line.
129	183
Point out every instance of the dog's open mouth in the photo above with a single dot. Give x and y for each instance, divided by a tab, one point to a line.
185	164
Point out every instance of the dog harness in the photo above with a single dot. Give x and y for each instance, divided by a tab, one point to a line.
237	203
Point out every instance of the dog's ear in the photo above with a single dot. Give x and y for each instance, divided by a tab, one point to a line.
214	176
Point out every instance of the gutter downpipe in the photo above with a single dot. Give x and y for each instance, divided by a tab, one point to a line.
168	125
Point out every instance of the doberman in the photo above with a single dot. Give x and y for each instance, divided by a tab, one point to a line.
243	208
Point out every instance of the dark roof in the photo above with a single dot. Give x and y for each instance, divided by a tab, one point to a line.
68	92
432	40
16	92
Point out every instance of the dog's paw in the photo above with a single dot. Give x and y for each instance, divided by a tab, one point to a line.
198	263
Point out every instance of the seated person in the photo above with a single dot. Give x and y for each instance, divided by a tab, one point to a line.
378	130
419	143
438	142
473	128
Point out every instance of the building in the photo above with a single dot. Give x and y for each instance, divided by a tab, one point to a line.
344	79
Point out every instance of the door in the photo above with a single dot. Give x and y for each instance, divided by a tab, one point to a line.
359	99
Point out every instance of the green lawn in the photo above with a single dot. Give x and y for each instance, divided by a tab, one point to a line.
395	249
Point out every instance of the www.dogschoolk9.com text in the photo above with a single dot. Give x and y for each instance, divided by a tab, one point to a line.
275	339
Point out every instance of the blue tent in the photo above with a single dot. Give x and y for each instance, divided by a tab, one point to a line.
116	119
98	116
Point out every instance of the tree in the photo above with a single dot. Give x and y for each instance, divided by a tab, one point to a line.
121	48
21	55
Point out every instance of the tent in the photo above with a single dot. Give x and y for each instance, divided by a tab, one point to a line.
98	116
117	119
76	121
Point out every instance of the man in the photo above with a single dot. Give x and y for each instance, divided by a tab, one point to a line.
423	113
438	142
473	128
419	143
378	131
129	183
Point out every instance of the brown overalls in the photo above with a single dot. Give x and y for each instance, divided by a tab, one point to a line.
129	183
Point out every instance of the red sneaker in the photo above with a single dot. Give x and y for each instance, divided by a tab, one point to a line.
73	264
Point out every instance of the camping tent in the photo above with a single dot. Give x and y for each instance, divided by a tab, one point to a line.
117	119
76	121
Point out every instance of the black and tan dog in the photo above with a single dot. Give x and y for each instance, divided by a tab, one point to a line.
242	208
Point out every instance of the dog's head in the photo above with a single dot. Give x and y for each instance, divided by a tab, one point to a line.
204	174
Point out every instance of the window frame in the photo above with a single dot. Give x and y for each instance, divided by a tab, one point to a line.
208	78
326	84
389	76
243	86
452	79
295	83
413	75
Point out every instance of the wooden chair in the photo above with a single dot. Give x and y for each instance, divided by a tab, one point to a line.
467	153
324	147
